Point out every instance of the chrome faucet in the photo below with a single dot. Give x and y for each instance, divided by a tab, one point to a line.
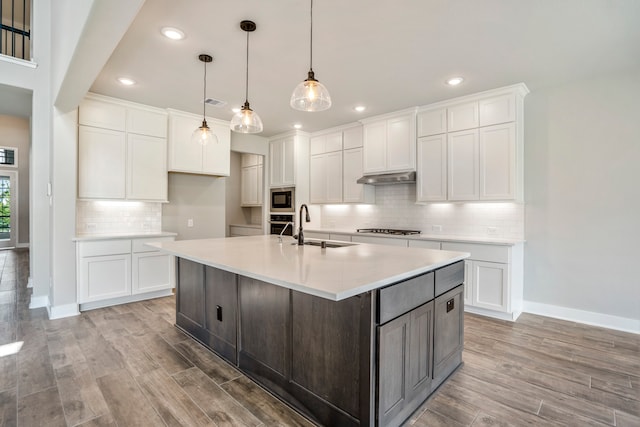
284	228
308	219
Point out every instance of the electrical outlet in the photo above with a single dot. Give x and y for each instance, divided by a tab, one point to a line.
190	222
492	231
436	228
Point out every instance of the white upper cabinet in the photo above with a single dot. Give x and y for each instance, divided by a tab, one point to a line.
282	153
432	122
102	114
102	159
484	147
390	143
352	137
431	185
251	180
498	109
352	192
185	156
326	143
122	150
462	171
463	116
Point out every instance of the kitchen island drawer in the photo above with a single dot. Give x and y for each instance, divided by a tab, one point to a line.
105	247
449	277
405	296
480	252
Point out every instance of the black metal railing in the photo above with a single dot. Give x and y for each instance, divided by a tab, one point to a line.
15	34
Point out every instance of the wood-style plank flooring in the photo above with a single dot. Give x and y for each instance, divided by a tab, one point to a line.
129	366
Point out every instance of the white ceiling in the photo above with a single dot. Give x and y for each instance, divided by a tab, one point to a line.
385	54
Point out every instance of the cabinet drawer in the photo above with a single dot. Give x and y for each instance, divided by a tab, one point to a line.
140	245
480	252
449	277
107	247
402	297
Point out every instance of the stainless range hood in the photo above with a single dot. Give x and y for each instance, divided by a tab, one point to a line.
389	178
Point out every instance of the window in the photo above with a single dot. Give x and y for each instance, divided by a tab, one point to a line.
8	156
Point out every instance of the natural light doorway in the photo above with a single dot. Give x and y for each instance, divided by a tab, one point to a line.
8	209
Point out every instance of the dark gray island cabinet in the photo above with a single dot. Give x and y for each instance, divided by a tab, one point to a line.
369	359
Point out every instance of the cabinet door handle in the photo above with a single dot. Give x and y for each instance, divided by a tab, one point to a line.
450	305
219	313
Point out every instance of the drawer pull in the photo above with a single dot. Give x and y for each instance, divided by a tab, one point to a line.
450	305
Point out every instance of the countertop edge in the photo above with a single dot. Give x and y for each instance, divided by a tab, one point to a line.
115	236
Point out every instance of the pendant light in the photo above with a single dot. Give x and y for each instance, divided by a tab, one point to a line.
246	120
310	95
203	135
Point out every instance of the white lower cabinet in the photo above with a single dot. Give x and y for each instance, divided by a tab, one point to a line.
122	270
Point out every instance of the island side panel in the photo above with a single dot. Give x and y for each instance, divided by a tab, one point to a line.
221	313
190	309
265	337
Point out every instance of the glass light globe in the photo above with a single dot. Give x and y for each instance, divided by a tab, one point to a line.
246	121
203	135
310	95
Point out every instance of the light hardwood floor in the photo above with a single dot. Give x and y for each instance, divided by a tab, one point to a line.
129	366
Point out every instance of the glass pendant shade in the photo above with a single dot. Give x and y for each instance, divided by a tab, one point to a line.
246	121
203	135
310	95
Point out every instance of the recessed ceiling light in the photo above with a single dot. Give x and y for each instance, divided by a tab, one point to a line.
297	126
455	81
172	33
126	81
359	108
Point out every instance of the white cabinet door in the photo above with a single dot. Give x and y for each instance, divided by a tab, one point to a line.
146	168
318	178
352	170
249	186
216	157
184	156
432	169
152	271
282	155
275	160
289	162
101	163
260	183
463	116
317	144
499	109
352	138
375	147
106	115
401	144
490	286
333	177
498	162
104	277
147	122
247	160
333	142
432	122
462	165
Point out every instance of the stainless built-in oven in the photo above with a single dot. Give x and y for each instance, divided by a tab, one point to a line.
278	222
283	200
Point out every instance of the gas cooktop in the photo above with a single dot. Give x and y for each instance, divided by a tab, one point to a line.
387	231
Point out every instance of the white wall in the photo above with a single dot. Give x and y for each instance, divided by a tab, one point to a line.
197	197
14	132
582	186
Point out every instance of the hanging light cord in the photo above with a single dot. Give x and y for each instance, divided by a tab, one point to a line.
204	94
311	40
246	83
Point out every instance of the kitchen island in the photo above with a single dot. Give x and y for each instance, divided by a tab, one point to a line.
348	334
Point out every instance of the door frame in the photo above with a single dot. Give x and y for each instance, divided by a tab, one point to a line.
13	236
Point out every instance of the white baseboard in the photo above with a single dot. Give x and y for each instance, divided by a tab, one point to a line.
22	246
39	301
587	317
64	310
29	283
124	300
512	317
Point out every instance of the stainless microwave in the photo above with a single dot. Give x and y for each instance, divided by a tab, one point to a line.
283	200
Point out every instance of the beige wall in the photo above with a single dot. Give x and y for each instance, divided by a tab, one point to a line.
14	132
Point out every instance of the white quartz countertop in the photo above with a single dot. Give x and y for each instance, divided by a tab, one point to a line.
112	236
422	236
332	273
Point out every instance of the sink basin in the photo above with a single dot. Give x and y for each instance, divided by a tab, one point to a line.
328	244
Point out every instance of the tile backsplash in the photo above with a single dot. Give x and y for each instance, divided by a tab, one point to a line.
100	217
396	208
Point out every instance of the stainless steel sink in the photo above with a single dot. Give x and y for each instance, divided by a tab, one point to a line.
328	244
